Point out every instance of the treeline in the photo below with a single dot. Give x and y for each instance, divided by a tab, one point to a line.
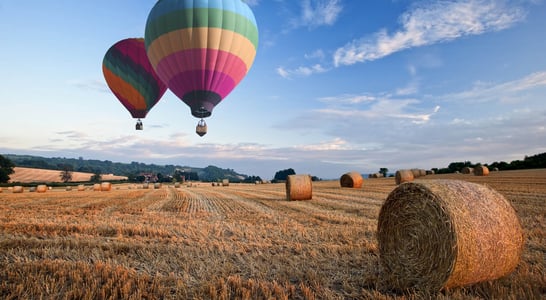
537	161
135	171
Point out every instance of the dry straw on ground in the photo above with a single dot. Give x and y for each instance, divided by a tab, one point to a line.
440	234
481	171
351	180
299	187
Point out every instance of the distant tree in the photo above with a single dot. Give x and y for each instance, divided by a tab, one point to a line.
283	174
66	173
384	171
97	177
6	169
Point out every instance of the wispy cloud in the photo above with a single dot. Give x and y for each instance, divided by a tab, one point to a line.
506	92
301	71
432	22
318	13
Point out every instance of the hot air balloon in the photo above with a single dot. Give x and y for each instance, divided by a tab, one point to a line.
201	49
131	78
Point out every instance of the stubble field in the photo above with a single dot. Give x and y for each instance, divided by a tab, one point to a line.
235	242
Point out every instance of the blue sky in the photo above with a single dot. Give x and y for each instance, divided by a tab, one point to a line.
336	86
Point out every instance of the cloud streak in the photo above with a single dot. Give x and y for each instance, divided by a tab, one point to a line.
430	23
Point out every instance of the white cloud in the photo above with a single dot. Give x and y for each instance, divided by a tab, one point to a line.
505	92
432	22
320	12
301	71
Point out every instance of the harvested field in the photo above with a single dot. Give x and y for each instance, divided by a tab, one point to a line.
41	175
242	241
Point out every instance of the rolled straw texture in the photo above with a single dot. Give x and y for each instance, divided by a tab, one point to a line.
440	234
96	187
42	188
481	171
416	173
402	176
299	187
81	187
17	189
351	180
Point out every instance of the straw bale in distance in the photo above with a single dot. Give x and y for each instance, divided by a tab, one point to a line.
299	187
351	180
105	187
416	173
96	187
17	189
402	176
440	234
225	182
42	188
157	185
467	170
81	187
481	171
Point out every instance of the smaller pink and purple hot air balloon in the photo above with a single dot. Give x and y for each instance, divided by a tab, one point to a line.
131	77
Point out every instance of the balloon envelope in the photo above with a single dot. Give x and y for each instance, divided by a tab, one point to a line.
201	48
131	78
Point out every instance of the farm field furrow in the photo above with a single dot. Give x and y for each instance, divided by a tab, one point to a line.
242	241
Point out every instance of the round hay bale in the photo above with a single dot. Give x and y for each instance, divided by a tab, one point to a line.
299	187
225	182
157	185
402	176
422	172
17	189
495	169
481	171
32	189
440	234
42	188
105	187
145	186
351	180
81	187
467	170
96	187
416	173
68	188
177	184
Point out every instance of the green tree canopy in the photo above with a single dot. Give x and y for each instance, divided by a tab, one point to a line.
6	169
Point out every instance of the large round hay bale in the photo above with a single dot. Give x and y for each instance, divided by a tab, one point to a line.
17	189
481	171
440	234
467	170
351	180
225	182
299	187
402	176
81	187
177	185
157	185
105	186
42	188
96	187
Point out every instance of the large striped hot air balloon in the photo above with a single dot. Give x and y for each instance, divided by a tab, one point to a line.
201	49
131	78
